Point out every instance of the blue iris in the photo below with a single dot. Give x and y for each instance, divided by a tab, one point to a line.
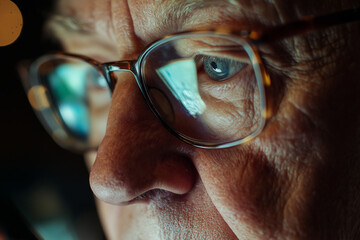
221	69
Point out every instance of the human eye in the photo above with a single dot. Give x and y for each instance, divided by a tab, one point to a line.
220	68
224	73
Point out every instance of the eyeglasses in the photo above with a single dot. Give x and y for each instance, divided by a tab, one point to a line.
207	87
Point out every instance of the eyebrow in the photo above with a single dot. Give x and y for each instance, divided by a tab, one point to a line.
171	13
180	10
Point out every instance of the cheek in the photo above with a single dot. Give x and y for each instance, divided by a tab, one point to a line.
253	186
241	184
232	108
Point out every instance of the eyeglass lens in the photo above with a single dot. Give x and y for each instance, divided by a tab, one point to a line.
204	88
78	97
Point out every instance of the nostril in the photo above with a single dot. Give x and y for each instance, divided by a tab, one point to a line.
154	194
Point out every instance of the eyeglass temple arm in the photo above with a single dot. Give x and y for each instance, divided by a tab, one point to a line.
307	24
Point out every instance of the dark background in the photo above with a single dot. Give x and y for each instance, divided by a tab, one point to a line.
46	185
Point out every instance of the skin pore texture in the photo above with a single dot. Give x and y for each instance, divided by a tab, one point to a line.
299	179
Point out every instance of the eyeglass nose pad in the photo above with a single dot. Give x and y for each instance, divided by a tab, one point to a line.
162	104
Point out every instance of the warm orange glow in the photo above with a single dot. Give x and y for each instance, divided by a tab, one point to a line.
37	98
223	30
267	80
2	235
254	35
268	113
11	22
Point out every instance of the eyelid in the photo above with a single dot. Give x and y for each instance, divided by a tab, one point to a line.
196	47
241	56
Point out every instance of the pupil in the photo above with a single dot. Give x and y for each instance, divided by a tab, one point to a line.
217	68
214	65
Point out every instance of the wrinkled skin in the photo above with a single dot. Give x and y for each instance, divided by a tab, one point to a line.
299	179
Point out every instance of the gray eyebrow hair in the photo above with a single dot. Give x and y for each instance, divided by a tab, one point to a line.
177	11
170	12
184	7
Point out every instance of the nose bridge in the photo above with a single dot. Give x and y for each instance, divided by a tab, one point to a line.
120	66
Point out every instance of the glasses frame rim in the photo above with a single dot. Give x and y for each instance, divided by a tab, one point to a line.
260	75
75	145
253	37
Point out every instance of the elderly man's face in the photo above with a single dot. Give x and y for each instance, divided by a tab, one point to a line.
293	181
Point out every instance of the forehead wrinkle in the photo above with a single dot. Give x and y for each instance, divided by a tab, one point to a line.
165	17
58	23
67	19
176	13
67	16
152	20
171	14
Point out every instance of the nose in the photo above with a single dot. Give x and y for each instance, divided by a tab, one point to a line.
137	154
